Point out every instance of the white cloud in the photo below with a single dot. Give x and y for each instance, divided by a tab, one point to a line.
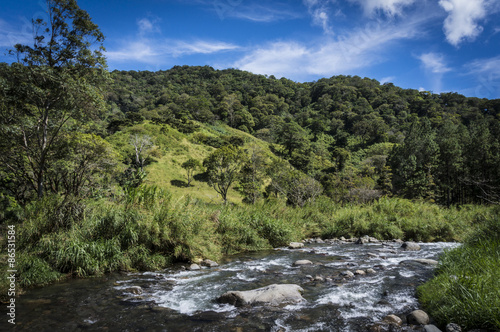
153	51
327	56
147	26
434	63
389	7
251	11
146	49
319	10
388	79
462	21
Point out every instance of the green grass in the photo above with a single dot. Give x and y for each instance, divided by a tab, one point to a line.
466	288
148	228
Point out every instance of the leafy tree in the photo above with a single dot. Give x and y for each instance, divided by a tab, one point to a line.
293	137
252	176
191	165
223	166
51	90
297	187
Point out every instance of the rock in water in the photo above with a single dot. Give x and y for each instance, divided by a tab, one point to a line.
393	319
194	267
418	317
431	328
269	295
302	262
420	261
452	327
410	246
295	245
209	263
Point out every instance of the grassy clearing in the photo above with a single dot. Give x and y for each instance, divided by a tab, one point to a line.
466	288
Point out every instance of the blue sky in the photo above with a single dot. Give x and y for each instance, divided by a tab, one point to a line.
433	45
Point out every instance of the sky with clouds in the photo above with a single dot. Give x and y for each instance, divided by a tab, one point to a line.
432	45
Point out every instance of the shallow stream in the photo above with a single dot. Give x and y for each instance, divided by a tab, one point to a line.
181	300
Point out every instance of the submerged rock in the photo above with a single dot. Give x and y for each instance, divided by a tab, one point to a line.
420	261
136	290
269	295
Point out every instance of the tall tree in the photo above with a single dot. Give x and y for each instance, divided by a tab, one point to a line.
52	89
223	166
415	161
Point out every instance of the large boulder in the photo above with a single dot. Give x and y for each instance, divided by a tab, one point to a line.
410	246
418	317
269	295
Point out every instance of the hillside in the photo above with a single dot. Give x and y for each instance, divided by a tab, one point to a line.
359	138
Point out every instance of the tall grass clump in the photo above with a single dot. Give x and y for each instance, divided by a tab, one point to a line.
466	287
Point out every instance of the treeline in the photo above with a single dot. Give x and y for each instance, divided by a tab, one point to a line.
360	139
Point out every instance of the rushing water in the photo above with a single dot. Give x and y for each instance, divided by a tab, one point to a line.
180	300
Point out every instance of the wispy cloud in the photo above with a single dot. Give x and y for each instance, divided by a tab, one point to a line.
388	7
9	35
147	49
319	11
255	11
434	63
486	73
435	66
327	56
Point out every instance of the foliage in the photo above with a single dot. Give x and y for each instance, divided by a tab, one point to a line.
223	166
466	288
52	90
191	165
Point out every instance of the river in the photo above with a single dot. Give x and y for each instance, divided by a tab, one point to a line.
180	300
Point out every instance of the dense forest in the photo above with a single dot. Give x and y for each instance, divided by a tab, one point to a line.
360	139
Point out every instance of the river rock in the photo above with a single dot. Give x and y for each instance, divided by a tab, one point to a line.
418	317
209	263
410	246
136	290
452	327
360	272
363	240
269	295
371	271
431	328
393	319
347	274
194	267
295	245
419	261
302	262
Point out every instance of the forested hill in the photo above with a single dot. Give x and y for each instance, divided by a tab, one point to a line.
358	137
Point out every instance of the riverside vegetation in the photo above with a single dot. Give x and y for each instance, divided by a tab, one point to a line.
104	172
